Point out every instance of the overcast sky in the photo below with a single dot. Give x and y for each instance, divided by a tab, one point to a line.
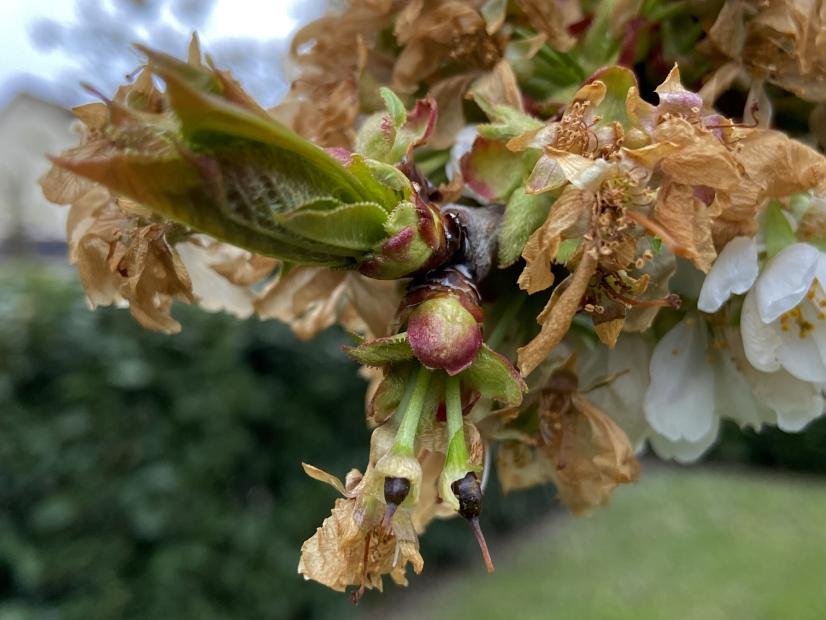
26	65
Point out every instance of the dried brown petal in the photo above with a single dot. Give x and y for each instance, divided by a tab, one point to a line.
728	32
781	41
449	96
687	224
499	87
311	299
609	331
322	476
776	167
782	165
335	555
306	298
221	274
552	19
591	457
557	316
520	466
542	246
453	31
696	156
121	258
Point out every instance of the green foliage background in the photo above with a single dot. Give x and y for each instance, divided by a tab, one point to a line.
151	477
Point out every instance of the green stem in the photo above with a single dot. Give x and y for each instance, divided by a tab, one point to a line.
511	310
668	10
457	450
412	405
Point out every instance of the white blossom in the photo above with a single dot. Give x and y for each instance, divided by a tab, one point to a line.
783	320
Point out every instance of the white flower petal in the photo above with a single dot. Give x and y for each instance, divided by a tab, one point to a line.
793	402
760	341
801	356
462	146
679	403
820	273
734	272
685	451
815	315
734	395
591	178
786	279
622	399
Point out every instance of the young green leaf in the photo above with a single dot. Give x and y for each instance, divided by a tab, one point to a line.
523	215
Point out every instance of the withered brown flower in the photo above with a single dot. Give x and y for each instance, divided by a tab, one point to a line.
579	448
781	41
311	299
123	251
353	547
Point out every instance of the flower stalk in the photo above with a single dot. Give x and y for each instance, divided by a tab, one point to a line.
411	409
459	483
401	470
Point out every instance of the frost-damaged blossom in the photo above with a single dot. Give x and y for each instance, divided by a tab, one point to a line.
355	546
311	299
533	259
325	99
578	447
781	41
625	171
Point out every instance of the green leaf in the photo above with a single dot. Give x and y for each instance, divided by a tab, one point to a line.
566	250
395	186
357	226
395	106
210	121
599	47
618	80
177	189
493	376
777	231
493	171
389	136
506	122
523	215
381	351
218	164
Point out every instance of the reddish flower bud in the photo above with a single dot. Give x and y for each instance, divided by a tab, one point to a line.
444	335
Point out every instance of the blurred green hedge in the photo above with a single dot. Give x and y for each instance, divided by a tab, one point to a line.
146	476
152	477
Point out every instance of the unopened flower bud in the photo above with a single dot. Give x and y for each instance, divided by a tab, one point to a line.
444	334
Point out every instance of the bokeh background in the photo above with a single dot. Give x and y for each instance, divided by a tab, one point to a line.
153	477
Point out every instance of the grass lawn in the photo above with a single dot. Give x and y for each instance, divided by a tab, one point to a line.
681	545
